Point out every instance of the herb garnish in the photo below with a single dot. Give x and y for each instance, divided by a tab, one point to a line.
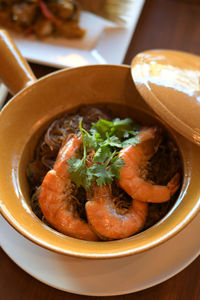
106	138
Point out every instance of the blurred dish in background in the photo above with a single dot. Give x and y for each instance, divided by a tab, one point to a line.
42	17
98	46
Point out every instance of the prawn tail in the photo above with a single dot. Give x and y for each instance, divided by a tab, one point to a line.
174	184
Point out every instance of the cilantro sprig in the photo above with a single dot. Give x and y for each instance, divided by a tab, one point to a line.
106	138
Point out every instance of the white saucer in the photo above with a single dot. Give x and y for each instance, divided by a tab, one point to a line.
103	277
3	94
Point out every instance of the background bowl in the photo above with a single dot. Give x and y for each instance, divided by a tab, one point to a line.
22	121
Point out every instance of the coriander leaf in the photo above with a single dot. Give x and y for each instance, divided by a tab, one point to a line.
81	178
101	174
106	138
75	163
121	127
125	123
89	140
78	172
102	154
132	141
113	141
116	164
130	132
78	169
97	136
102	127
126	134
117	127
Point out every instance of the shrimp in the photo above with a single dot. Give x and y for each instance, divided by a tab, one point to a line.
135	159
56	195
106	221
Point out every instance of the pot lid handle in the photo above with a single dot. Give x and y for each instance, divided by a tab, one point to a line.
15	72
169	81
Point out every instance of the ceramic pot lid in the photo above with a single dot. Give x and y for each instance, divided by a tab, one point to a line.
169	81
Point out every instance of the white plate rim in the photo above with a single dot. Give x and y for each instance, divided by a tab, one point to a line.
3	94
185	233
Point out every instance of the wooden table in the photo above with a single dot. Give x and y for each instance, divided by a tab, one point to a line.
172	24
